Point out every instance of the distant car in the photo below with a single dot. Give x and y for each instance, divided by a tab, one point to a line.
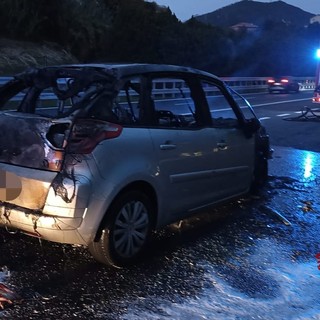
283	85
316	95
100	155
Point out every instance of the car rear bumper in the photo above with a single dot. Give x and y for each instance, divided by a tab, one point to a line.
277	88
52	228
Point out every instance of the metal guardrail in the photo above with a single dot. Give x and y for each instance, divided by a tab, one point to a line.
3	80
240	84
261	83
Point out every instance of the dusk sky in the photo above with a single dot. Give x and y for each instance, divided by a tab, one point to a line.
184	9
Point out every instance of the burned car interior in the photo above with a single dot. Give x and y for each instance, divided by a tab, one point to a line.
87	93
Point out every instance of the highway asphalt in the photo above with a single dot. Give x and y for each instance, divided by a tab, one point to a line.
252	259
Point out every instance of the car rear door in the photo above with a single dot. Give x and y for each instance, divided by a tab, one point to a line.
184	169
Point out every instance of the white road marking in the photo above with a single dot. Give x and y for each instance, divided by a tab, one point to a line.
264	118
279	102
283	114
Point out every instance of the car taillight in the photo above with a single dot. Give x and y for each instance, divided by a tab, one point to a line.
270	81
284	80
84	138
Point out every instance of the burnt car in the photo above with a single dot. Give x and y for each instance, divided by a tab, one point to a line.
101	155
283	85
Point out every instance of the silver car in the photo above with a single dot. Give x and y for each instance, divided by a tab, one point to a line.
100	155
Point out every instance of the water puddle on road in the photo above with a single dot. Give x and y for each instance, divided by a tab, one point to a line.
268	268
277	289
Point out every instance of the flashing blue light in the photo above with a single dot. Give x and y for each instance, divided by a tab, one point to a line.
308	165
318	54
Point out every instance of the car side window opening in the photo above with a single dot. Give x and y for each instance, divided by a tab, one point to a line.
128	102
123	109
174	105
103	108
221	112
246	109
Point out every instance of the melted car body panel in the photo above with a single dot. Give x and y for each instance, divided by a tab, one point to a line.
24	142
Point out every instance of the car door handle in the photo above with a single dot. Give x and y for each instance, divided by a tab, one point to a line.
167	146
222	145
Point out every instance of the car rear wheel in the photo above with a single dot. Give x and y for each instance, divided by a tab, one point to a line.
126	231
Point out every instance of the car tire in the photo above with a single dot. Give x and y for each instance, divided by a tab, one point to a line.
126	230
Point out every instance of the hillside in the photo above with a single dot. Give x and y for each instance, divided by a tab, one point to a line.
15	56
257	13
94	31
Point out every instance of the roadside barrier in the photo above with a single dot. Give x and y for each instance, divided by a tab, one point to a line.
240	84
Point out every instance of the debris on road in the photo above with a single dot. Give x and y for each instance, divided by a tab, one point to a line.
6	296
267	209
307	206
306	114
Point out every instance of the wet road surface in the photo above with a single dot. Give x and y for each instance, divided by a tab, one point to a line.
239	261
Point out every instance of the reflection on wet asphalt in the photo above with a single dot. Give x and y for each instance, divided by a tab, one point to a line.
239	261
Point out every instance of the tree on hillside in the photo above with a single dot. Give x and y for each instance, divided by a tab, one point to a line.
140	31
137	30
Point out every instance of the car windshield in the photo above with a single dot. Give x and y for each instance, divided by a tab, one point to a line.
54	92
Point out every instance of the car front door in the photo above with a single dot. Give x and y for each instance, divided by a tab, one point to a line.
231	151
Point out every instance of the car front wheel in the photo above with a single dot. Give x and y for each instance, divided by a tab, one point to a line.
126	230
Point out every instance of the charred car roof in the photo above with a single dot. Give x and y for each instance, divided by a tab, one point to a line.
79	77
122	70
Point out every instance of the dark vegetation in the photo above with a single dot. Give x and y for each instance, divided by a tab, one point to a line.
139	31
